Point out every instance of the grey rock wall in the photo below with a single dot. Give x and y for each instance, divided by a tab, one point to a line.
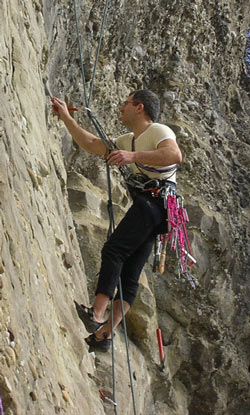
53	207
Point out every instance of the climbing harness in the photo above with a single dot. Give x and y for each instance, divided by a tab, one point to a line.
177	217
125	172
176	236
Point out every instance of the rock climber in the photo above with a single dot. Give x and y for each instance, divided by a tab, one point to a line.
129	246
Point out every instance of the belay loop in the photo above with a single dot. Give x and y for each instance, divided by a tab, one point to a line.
176	237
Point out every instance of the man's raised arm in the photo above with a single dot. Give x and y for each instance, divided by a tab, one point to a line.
83	138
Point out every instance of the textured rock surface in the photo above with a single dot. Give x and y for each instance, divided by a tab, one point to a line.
54	218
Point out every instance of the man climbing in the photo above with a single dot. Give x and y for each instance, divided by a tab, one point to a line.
152	152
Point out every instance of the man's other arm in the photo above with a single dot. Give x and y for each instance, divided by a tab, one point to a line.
167	153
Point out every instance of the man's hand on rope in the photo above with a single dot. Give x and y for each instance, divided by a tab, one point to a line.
121	157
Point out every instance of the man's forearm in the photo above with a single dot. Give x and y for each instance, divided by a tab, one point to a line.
160	157
84	138
164	156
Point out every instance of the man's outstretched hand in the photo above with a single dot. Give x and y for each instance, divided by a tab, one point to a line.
60	108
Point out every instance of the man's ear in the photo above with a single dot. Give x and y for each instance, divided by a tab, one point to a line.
140	108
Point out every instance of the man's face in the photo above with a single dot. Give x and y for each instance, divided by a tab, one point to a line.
128	111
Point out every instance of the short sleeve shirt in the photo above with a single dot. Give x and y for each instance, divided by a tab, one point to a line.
148	141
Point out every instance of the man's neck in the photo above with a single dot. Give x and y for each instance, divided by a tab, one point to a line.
140	128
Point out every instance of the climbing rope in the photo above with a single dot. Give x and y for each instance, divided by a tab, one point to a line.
125	172
98	51
80	54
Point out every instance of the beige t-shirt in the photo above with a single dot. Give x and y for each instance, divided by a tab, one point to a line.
148	141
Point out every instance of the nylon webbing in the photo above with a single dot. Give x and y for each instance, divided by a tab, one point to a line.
104	138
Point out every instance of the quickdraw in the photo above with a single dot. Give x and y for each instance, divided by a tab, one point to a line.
106	398
176	237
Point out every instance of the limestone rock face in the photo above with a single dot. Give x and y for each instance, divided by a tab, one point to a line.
53	207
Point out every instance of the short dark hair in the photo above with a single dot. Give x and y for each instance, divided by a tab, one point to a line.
150	101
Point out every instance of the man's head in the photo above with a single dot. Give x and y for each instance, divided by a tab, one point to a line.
150	102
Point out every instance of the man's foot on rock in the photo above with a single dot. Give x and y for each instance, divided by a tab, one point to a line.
98	344
86	314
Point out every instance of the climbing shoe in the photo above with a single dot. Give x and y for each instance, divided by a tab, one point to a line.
98	345
87	316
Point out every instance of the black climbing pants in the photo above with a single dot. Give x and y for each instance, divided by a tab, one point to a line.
128	248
